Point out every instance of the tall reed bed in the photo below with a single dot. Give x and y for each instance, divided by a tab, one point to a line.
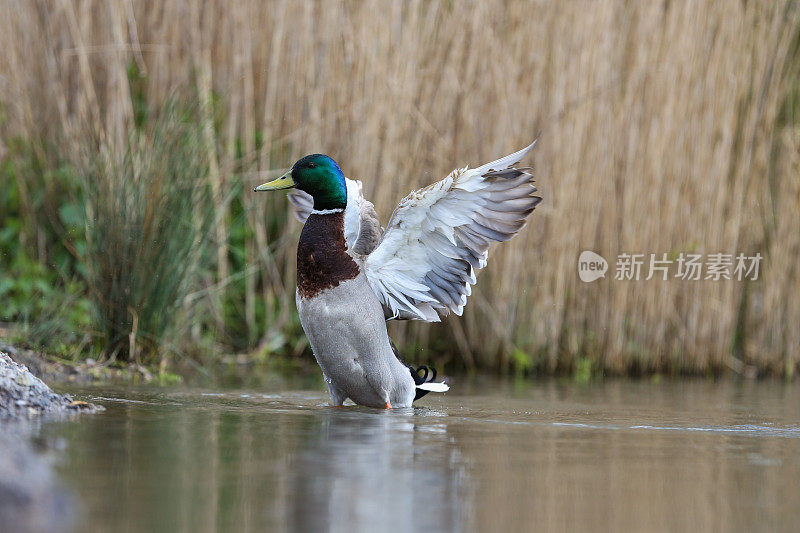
665	128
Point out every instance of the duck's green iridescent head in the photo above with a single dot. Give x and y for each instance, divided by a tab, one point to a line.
319	176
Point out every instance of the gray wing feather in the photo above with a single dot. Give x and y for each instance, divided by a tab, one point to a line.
425	263
370	230
303	204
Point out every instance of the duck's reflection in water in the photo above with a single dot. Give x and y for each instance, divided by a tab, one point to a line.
365	468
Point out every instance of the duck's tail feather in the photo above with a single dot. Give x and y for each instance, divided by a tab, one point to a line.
423	377
432	387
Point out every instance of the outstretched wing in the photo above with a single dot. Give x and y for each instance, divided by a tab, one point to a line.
362	228
424	265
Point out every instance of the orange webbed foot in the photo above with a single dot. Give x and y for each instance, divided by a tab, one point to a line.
388	405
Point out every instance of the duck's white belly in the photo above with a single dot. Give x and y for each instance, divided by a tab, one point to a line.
347	331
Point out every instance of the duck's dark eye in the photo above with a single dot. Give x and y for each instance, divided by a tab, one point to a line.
311	165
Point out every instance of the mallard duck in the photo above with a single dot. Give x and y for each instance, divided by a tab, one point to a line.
353	275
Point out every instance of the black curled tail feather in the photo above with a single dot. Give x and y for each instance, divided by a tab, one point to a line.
421	374
420	378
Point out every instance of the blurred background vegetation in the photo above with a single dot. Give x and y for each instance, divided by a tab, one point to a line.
132	133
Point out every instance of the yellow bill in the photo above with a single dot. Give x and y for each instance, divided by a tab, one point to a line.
284	182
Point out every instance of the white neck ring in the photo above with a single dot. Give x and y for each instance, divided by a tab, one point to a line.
327	211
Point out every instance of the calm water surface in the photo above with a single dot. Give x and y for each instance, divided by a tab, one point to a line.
491	456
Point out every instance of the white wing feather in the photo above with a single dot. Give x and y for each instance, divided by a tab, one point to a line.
425	263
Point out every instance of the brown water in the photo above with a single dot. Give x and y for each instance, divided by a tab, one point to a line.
616	455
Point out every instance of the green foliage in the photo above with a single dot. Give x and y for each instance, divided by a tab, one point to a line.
40	287
105	247
24	287
583	370
169	378
138	86
146	211
55	313
522	361
236	331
